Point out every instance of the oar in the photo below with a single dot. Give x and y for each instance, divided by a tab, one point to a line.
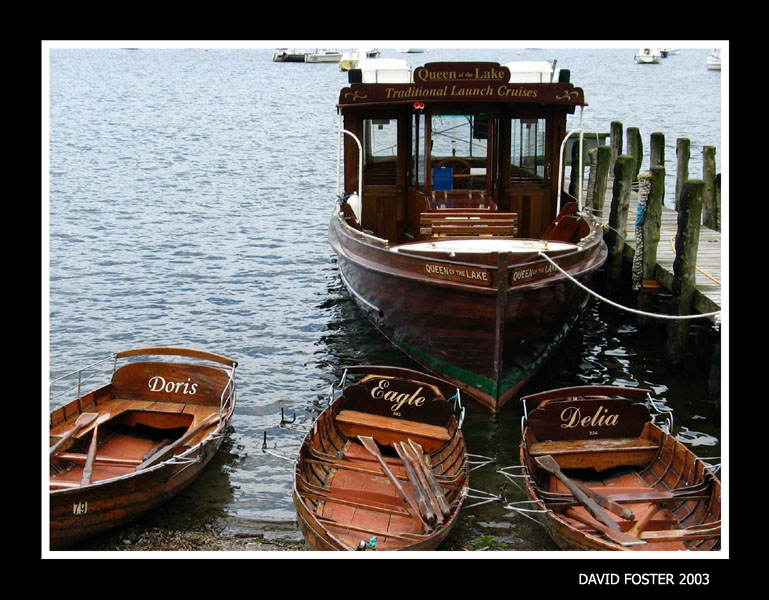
88	469
84	420
619	537
549	464
639	525
437	490
168	450
419	486
608	503
370	445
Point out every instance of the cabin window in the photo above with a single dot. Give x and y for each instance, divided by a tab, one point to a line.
417	177
527	148
380	148
458	150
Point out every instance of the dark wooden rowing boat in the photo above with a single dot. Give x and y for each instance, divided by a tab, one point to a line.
607	477
454	234
384	466
123	448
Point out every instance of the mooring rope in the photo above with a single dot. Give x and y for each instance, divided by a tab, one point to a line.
627	308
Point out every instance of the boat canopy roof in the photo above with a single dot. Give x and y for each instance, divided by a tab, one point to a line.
467	82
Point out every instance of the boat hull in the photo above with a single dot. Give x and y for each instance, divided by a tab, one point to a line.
113	503
488	334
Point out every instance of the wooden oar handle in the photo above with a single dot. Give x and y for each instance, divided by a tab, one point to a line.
618	537
88	469
608	503
421	494
437	491
639	526
168	450
550	465
370	445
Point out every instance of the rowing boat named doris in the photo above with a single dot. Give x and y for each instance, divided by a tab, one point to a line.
123	448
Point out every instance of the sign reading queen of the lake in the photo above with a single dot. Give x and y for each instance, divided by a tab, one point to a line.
462	81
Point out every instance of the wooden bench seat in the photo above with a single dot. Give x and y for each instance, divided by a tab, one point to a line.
470	223
599	454
386	430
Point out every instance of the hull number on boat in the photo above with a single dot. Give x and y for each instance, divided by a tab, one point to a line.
80	508
457	273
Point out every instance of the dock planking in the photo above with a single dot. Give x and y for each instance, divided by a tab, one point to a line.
708	277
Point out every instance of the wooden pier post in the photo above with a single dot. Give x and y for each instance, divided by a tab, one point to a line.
711	206
600	159
635	148
683	152
615	136
657	150
651	195
684	266
624	169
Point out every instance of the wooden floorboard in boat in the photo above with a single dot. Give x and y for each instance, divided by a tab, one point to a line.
375	521
664	519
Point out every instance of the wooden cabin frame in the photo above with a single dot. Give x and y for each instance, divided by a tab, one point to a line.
394	196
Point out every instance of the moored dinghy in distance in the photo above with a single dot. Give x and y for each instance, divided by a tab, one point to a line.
605	476
384	466
454	233
125	447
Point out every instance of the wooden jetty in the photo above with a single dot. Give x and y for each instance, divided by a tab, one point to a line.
707	293
678	249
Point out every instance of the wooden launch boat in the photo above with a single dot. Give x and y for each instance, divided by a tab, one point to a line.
122	449
384	466
606	477
454	233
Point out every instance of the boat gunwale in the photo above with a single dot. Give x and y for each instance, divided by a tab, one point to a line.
574	253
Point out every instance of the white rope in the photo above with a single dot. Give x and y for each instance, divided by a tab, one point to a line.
626	308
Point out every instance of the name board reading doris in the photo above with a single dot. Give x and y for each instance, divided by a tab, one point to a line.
159	384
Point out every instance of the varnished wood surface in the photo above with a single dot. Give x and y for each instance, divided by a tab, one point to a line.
674	497
134	468
344	496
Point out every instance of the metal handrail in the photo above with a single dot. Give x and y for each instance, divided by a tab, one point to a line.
339	159
562	166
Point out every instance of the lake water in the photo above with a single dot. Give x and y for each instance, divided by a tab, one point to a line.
189	198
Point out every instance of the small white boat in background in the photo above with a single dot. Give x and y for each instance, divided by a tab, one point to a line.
648	56
714	60
323	56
